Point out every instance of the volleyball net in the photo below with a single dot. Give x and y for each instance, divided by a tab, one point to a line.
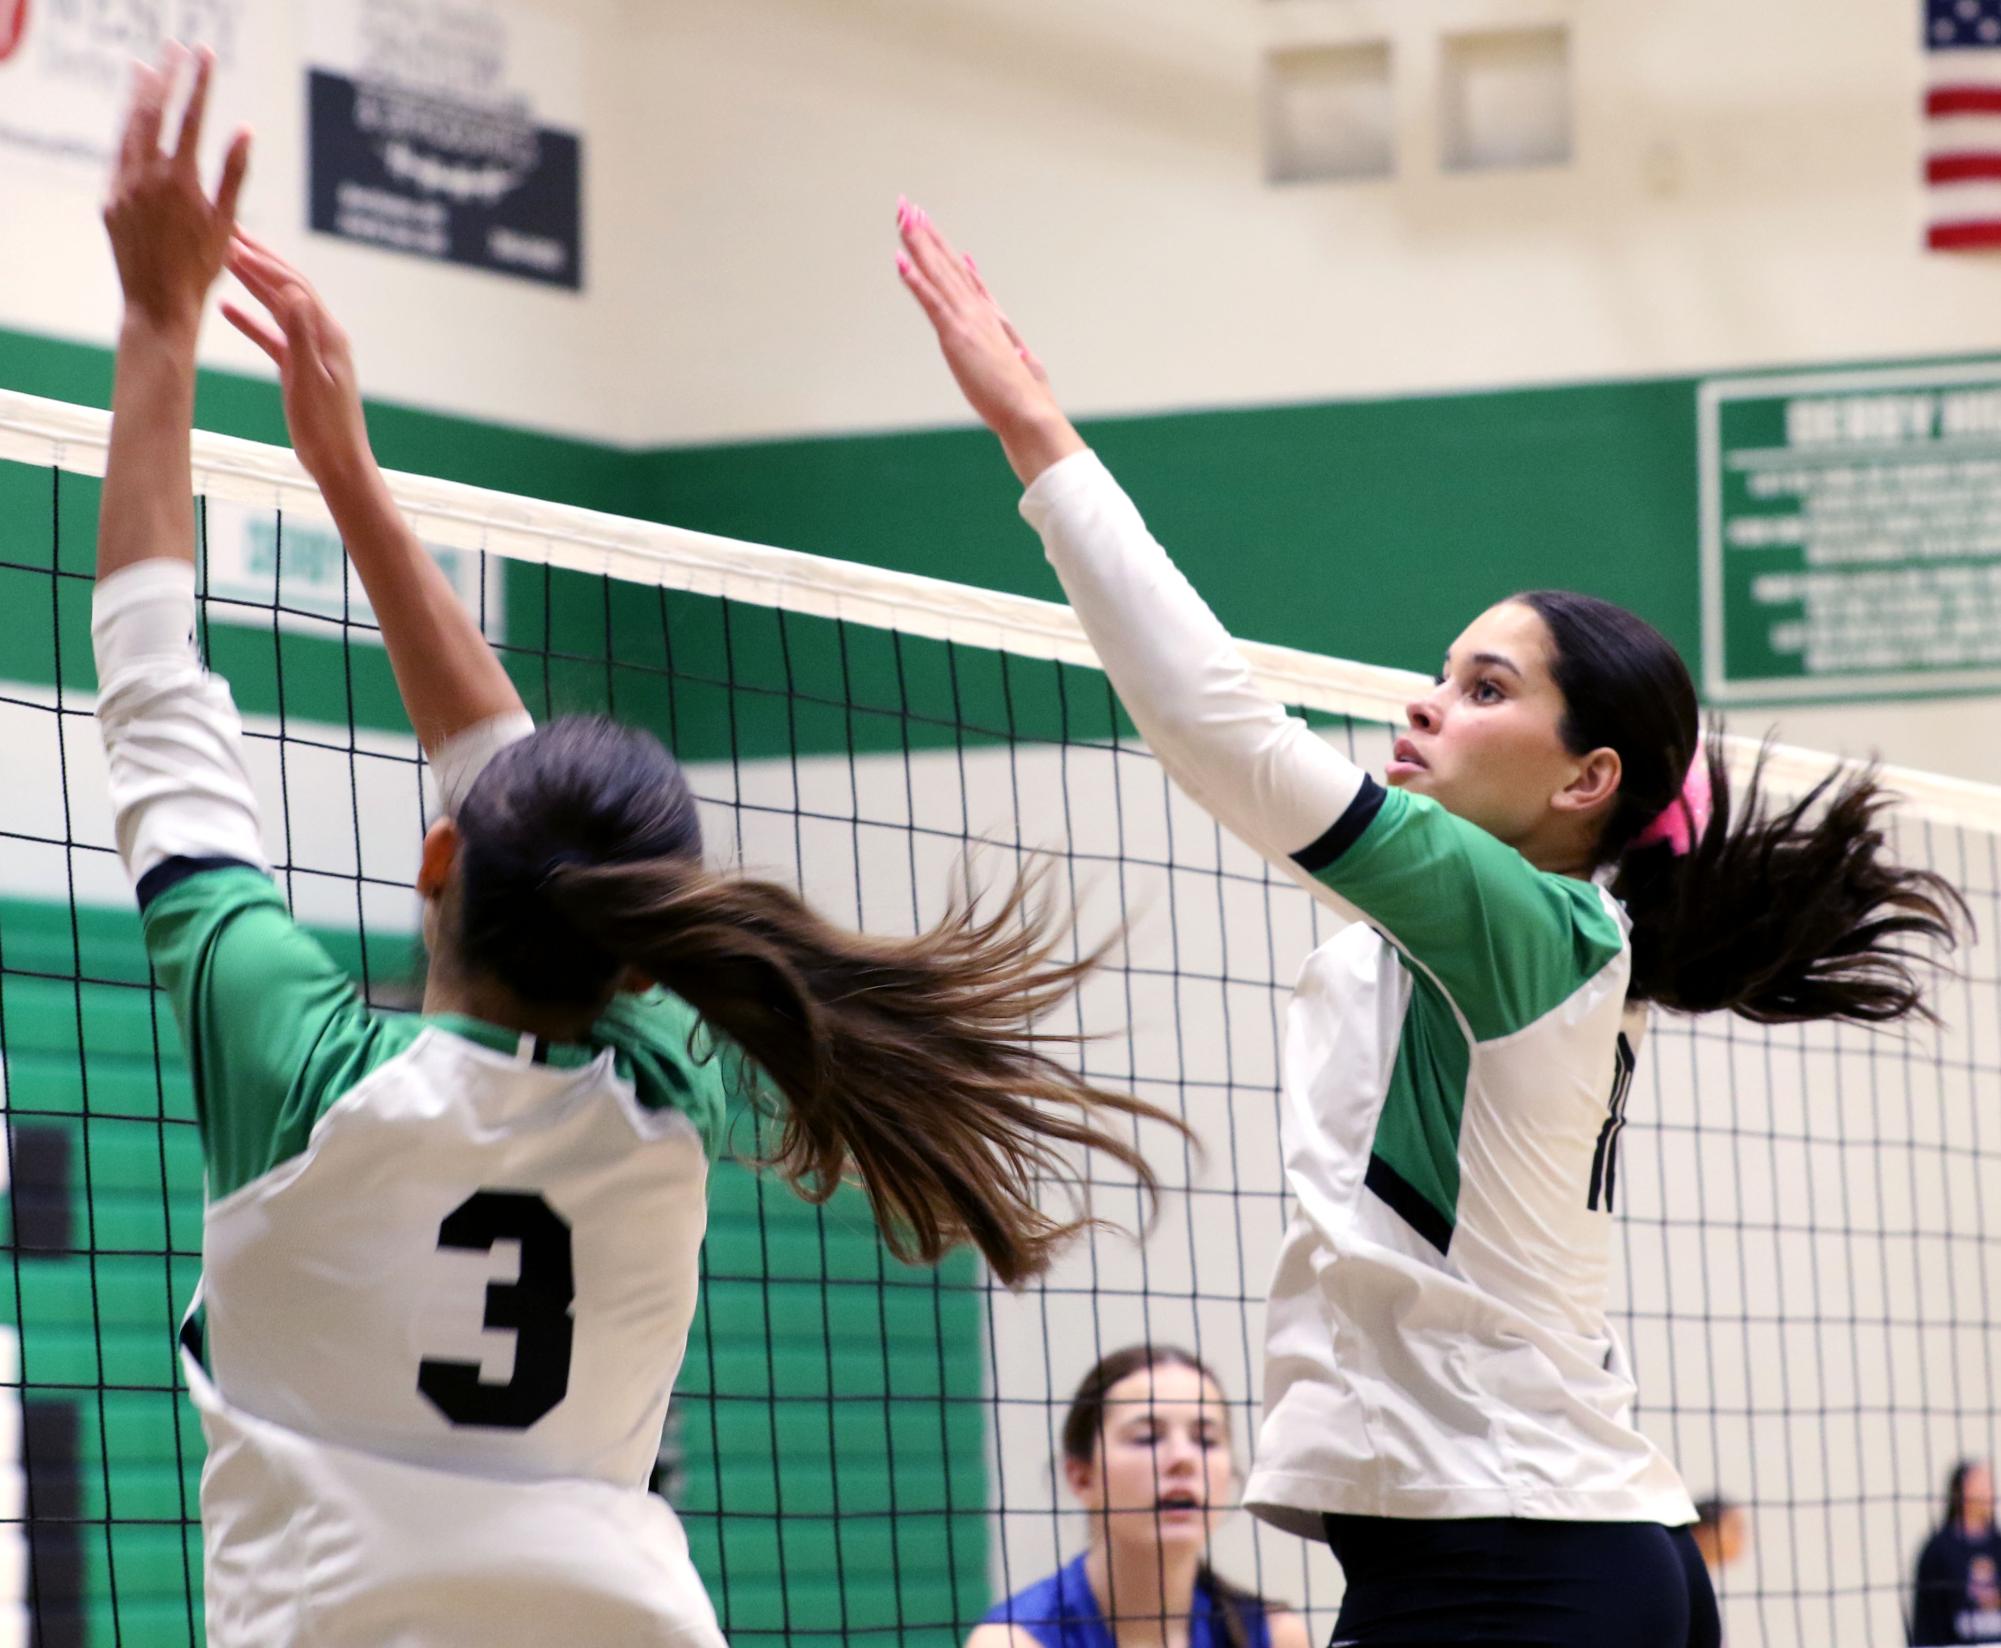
863	1451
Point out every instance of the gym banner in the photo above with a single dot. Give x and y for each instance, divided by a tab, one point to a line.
437	130
1851	532
66	70
258	569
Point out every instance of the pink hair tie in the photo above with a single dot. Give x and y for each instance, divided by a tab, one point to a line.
1684	819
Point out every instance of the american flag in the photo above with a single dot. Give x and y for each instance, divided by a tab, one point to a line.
1963	123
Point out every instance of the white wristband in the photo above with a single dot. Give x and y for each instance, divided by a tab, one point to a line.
461	758
145	610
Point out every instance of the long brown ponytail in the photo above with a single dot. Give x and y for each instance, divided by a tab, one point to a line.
1779	913
913	1063
1790	913
918	1065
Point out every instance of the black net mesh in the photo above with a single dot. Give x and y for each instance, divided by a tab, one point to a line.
860	1450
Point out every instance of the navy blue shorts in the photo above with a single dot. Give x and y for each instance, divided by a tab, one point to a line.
1509	1580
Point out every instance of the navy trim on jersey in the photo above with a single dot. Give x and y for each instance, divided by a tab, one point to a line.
1345	831
193	1340
1605	1159
173	871
1405	1201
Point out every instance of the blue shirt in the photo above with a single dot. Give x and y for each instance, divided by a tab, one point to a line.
1061	1612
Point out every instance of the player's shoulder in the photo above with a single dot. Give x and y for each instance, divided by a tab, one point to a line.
657	1021
202	889
670	1055
1416	833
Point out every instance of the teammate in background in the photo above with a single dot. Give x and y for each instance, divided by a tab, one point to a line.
1722	1532
1446	1402
1957	1596
1146	1452
408	1444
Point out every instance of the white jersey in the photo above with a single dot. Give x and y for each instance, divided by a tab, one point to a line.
310	1543
1456	1070
448	1271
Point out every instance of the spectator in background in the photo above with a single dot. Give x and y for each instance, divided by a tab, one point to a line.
1146	1452
1957	1597
1722	1532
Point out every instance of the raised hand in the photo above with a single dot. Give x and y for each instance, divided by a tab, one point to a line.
450	678
315	364
167	235
996	371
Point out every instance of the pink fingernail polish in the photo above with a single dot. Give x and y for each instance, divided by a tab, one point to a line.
970	264
902	264
902	211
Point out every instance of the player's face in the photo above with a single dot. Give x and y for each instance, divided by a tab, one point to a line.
1162	1474
1733	1534
1484	742
1978	1492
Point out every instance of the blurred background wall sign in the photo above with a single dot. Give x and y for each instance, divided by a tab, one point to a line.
428	135
64	65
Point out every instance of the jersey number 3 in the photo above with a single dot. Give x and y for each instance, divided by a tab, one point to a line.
535	1308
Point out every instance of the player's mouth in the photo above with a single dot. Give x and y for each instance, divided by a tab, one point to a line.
1178	1503
1404	761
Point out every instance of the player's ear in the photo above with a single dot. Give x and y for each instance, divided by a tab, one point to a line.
441	852
1596	785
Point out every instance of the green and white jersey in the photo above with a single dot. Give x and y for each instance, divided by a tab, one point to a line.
431	1238
448	1272
1455	1073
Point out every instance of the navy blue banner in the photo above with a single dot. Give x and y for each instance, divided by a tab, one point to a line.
404	169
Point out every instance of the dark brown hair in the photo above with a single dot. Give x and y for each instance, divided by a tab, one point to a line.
1778	914
1083	1431
1955	1491
1710	1512
916	1065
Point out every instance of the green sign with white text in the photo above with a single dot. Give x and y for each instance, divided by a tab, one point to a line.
1851	533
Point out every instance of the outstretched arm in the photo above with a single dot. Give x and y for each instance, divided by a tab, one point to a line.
1506	942
168	239
273	1027
1261	772
172	740
459	699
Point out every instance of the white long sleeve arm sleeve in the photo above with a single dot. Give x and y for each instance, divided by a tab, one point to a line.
1263	774
461	758
172	738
